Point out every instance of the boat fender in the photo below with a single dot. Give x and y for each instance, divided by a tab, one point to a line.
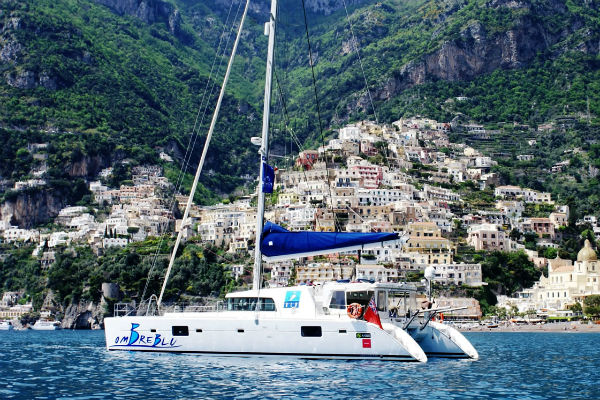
354	310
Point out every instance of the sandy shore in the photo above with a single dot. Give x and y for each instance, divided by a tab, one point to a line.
573	327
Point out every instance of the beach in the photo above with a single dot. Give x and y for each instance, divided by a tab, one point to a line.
573	327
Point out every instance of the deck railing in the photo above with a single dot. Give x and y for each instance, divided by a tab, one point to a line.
149	307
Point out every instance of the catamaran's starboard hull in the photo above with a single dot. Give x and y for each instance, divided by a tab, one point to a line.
240	334
443	341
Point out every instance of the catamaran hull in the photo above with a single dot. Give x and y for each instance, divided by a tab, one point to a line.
439	340
245	336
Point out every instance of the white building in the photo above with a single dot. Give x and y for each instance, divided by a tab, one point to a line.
377	273
323	272
237	270
458	274
280	273
114	242
488	237
565	285
379	197
14	234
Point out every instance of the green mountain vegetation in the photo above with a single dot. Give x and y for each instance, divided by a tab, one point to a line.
92	82
77	274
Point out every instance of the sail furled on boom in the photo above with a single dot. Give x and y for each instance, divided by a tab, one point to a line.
278	243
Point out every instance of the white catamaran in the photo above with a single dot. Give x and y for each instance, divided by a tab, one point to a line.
335	320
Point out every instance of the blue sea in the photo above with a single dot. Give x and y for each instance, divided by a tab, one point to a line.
75	365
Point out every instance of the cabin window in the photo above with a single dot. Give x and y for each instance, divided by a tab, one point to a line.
361	298
249	304
180	331
311	331
381	300
338	300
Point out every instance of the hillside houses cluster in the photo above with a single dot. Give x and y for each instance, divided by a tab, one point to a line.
135	212
366	196
342	186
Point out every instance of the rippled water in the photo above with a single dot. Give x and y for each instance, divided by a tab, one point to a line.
75	364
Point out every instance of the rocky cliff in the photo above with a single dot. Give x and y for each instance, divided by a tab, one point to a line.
87	167
149	11
329	6
83	316
478	51
29	208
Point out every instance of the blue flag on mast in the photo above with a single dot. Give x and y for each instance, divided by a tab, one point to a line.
268	178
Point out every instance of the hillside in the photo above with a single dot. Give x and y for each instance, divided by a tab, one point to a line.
527	61
93	83
108	80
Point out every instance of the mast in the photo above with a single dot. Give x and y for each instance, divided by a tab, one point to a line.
184	221
264	148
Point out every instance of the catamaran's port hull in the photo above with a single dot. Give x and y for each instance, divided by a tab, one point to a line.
244	334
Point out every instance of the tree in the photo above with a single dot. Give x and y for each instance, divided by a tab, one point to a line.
576	308
550	252
591	305
507	273
293	275
515	234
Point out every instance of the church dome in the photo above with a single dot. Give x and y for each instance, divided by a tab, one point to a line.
587	253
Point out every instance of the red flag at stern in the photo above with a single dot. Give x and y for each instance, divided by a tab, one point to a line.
371	314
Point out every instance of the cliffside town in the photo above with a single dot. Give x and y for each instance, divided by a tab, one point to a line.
405	177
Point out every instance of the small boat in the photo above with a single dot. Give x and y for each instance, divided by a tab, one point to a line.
46	325
6	326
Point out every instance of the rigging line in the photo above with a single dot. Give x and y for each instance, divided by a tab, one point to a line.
204	151
221	59
285	112
362	69
292	134
196	127
312	68
193	136
189	149
360	62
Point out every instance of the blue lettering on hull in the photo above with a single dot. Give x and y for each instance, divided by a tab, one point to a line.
135	339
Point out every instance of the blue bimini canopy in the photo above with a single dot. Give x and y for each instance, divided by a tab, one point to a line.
278	243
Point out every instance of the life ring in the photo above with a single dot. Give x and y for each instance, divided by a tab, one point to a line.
354	310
